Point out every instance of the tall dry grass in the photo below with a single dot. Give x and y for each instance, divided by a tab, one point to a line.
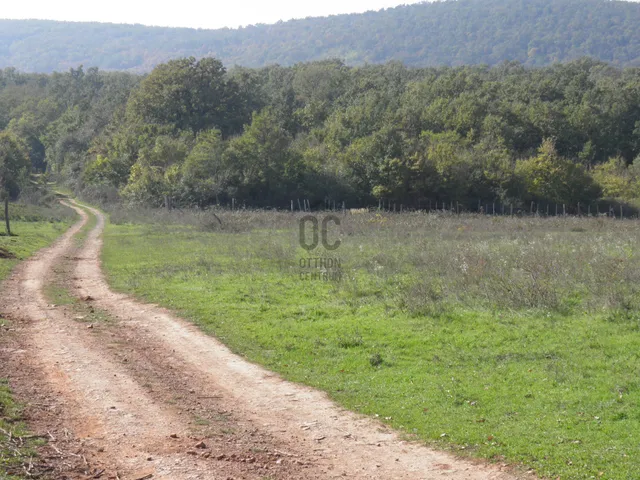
429	263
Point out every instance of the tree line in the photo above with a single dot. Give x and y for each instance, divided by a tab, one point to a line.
192	133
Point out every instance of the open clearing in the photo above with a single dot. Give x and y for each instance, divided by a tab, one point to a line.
126	390
514	339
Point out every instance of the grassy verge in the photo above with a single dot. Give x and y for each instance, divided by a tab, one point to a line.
15	450
495	338
34	228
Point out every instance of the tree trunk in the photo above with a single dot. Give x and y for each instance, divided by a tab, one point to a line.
6	215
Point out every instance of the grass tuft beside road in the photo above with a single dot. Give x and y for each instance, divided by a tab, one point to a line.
516	340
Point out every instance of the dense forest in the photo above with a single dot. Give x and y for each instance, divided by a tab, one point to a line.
192	133
454	33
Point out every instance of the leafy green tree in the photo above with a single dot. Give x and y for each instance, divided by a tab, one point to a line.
553	178
264	167
205	174
14	168
448	153
188	94
29	128
317	85
106	171
616	179
155	177
116	151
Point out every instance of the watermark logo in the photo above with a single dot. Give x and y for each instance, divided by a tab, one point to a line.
313	221
324	265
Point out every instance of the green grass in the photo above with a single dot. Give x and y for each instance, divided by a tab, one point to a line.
33	228
81	236
59	295
491	338
57	289
13	453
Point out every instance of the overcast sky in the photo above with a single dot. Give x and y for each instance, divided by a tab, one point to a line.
187	13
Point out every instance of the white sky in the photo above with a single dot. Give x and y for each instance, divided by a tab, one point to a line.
187	13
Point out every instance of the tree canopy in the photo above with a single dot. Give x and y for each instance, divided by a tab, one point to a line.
193	133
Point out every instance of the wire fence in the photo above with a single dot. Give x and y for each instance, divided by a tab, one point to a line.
610	209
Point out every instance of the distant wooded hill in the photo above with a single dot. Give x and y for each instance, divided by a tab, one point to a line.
534	32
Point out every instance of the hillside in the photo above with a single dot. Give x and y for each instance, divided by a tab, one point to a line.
534	32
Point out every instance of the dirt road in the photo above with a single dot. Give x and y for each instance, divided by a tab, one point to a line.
143	394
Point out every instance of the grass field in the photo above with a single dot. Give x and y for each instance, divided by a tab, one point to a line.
512	339
34	227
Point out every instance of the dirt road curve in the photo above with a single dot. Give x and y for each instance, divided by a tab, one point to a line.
143	394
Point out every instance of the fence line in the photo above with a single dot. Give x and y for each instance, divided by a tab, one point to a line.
540	209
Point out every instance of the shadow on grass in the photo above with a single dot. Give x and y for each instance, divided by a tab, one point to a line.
4	253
